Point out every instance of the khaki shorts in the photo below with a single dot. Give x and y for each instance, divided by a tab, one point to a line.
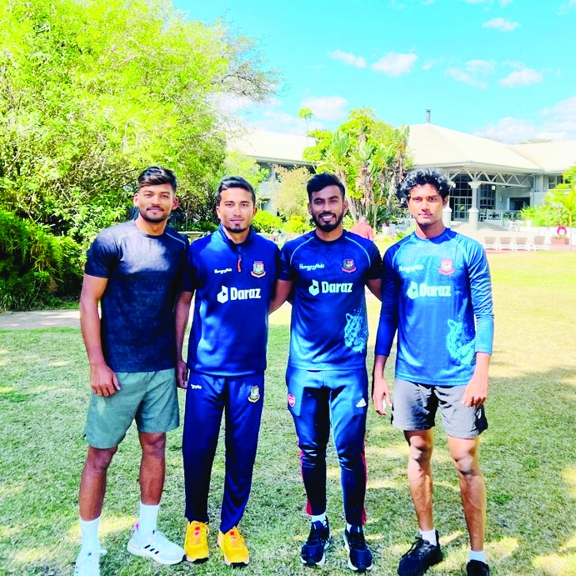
150	398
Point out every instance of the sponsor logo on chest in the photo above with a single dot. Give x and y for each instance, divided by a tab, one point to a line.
234	293
324	287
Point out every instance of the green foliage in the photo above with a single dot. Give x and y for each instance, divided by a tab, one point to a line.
370	156
92	92
203	227
237	164
266	222
35	266
298	224
291	197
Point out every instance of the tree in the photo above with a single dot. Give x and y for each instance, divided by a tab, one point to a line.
91	92
291	197
370	156
563	198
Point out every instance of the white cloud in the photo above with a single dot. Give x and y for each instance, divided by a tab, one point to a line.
395	64
501	24
326	107
474	1
566	6
522	77
347	58
505	2
473	73
429	64
559	123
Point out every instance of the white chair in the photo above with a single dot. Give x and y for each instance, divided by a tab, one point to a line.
490	243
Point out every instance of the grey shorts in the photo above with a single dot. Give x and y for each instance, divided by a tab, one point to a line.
415	405
150	398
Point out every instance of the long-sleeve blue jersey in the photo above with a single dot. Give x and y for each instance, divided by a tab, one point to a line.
329	328
437	293
233	284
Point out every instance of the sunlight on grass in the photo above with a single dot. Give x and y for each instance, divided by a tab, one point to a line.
502	548
60	363
4	351
399	484
570	544
556	565
109	525
569	476
9	531
7	490
6	389
29	555
393	451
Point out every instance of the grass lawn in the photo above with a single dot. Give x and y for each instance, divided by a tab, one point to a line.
528	454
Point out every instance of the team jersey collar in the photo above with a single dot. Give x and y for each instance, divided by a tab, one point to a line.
233	245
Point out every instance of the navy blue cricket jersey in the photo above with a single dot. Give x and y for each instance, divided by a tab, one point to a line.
233	284
329	328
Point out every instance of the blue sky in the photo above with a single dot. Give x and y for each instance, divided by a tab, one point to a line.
498	68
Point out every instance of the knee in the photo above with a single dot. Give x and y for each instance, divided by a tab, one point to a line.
466	464
153	445
420	453
312	453
99	459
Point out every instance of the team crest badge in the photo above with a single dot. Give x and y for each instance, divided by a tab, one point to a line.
258	269
447	267
291	400
348	265
254	394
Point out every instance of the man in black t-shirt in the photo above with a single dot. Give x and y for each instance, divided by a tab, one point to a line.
133	271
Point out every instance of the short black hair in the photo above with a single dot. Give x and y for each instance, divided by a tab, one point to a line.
320	181
234	182
421	176
157	175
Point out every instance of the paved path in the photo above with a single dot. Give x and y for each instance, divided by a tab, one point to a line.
40	319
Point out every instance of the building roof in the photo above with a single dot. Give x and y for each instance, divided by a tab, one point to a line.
552	157
435	146
431	146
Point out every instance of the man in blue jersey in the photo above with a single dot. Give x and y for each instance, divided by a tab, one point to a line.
436	292
326	271
232	273
133	270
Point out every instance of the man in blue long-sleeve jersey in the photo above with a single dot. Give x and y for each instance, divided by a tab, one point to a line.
436	292
327	271
232	273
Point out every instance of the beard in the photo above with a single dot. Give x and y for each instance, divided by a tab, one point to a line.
160	217
327	227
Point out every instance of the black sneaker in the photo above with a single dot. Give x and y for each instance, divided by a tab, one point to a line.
420	557
477	568
359	555
318	541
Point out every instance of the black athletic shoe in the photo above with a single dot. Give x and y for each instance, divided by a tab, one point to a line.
477	568
318	541
420	557
359	555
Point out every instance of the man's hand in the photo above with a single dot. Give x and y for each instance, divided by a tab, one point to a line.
103	380
181	374
476	391
380	394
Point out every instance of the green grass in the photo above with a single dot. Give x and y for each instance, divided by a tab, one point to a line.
528	454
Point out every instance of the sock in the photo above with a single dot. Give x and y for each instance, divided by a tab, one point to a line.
475	555
320	518
430	536
148	518
89	530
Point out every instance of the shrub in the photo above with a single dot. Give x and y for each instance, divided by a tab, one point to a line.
297	225
266	222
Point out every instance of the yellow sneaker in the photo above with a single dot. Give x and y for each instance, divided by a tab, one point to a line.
196	543
234	548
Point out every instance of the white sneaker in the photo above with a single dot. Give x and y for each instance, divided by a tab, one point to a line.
88	564
156	546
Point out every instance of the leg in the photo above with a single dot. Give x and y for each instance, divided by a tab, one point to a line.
93	482
152	467
349	426
244	403
464	452
204	407
308	402
421	443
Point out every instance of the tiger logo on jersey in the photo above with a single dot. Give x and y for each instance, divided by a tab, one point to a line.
348	265
258	269
446	267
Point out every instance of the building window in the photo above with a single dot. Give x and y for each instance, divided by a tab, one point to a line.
487	197
460	197
555	181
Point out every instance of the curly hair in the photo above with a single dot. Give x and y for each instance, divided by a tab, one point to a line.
422	176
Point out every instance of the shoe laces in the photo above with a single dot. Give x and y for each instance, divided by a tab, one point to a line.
318	532
92	557
197	531
419	547
233	538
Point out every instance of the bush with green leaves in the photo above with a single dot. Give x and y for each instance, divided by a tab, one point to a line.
266	222
36	267
297	225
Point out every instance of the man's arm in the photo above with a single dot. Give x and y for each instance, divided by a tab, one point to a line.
375	286
380	391
282	291
476	391
102	378
182	312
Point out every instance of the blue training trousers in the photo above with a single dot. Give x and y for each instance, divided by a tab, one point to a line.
207	397
316	398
